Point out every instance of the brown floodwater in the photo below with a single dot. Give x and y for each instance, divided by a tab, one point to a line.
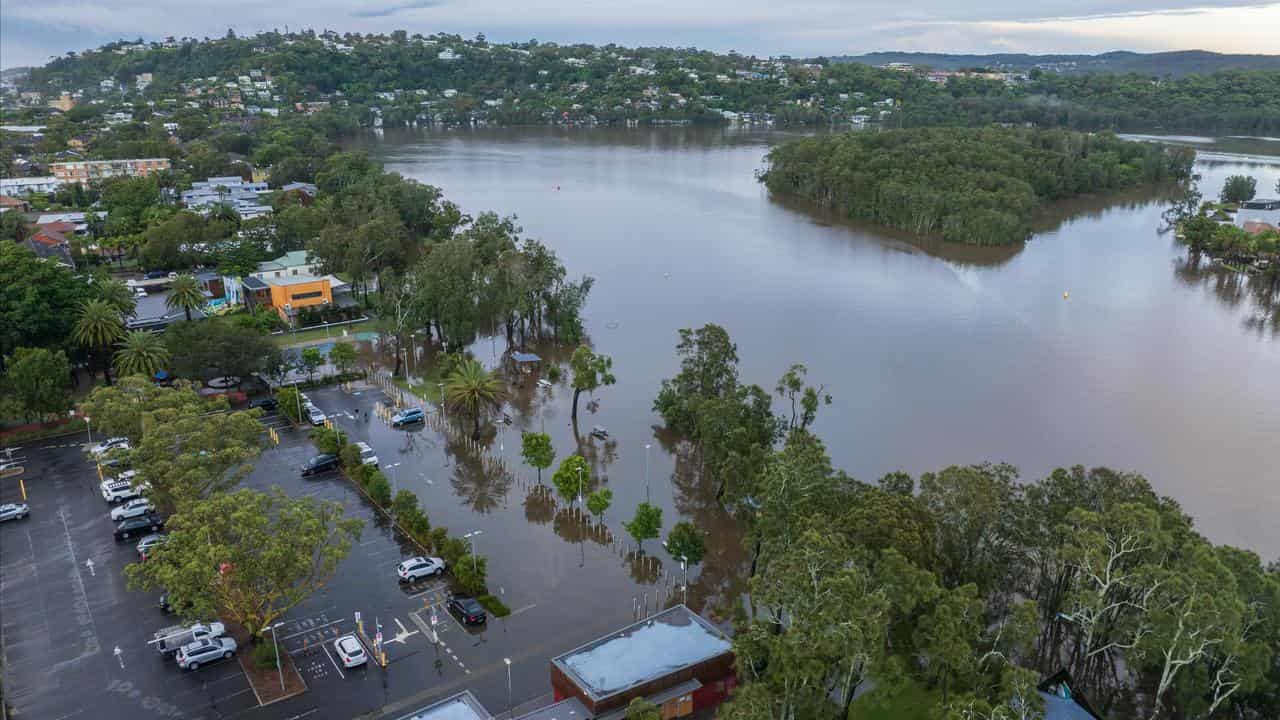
936	354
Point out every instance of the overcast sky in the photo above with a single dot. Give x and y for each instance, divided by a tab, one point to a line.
33	30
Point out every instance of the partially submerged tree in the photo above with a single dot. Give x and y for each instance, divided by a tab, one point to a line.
537	450
590	371
646	524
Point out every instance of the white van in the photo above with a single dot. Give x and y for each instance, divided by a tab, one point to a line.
367	456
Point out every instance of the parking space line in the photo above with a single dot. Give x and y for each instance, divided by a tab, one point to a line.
312	629
325	647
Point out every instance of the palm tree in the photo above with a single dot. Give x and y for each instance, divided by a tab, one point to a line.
141	353
185	293
117	295
472	390
98	328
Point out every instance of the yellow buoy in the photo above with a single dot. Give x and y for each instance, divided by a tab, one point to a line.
1066	295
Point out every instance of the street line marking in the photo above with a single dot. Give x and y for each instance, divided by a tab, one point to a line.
325	647
228	697
313	628
530	606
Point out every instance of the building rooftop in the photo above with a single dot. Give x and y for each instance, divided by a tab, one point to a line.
296	258
462	706
570	709
667	642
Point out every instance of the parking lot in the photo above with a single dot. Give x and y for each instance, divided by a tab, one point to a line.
75	639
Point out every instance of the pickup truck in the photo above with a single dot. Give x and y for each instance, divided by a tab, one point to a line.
169	639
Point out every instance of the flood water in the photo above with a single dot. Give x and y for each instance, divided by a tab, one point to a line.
935	354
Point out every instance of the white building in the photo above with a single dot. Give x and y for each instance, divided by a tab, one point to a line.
19	186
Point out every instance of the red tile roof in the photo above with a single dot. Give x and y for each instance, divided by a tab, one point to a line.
1253	227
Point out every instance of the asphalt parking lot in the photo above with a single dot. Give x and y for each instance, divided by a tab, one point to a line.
64	618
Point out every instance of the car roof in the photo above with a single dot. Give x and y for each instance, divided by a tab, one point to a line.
468	601
363	445
350	644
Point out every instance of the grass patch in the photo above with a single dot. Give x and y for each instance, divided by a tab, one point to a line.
333	333
912	701
495	606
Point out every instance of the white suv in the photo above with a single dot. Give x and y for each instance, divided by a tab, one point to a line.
416	568
367	456
114	490
106	446
133	508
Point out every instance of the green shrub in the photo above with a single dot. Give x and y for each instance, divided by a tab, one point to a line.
438	537
495	606
379	489
470	573
404	506
264	655
329	442
452	550
349	455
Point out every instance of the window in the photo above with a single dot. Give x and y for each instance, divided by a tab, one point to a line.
308	295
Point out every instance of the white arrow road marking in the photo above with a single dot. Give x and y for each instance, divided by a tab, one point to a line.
404	633
89	564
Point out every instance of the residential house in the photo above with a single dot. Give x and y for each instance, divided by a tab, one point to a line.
1264	211
15	204
152	312
90	170
64	102
447	55
51	242
243	197
19	186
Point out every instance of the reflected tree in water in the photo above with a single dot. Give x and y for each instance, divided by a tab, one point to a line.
482	489
540	505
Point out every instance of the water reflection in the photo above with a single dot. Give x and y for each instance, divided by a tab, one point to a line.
1259	293
539	505
482	486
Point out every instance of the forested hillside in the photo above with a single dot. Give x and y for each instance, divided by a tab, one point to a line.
1161	64
403	79
977	186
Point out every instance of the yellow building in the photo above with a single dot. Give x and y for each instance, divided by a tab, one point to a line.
292	294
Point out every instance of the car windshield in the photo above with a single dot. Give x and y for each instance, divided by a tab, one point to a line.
470	605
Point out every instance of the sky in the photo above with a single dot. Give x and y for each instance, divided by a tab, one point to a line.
32	31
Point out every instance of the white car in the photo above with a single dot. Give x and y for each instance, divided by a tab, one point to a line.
418	567
133	508
114	491
314	416
106	446
350	651
367	455
14	511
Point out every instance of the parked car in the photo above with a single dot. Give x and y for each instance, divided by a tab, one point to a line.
135	525
367	456
192	656
115	490
149	543
408	416
599	432
319	464
108	445
418	567
133	508
266	403
544	383
14	511
468	610
176	637
155	275
350	651
314	415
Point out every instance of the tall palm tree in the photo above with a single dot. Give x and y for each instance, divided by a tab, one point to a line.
472	390
141	353
98	328
185	293
117	295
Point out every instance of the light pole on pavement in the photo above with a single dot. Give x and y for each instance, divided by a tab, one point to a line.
279	670
579	484
684	589
441	386
646	472
88	428
472	543
508	662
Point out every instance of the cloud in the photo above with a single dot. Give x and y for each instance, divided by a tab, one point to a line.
31	31
389	10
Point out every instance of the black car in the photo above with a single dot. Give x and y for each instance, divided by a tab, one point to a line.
266	403
319	464
139	525
468	610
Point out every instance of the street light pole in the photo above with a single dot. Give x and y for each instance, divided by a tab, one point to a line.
579	484
472	543
508	662
646	472
684	589
276	644
441	386
88	428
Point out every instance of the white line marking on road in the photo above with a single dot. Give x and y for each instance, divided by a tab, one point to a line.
523	609
314	628
299	716
238	692
325	647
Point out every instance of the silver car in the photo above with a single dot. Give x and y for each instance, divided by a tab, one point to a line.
133	508
203	652
14	511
